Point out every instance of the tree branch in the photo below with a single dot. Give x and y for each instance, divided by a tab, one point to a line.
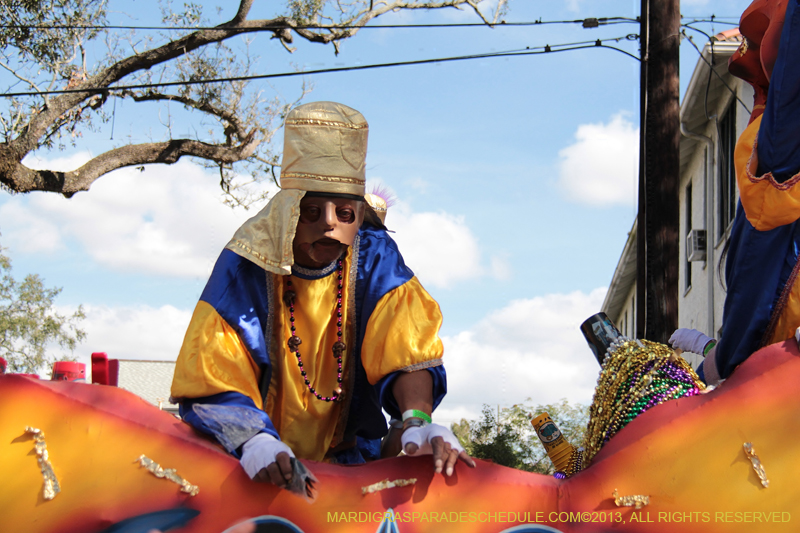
14	73
24	179
27	141
224	114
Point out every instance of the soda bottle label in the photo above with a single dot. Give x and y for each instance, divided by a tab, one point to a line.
548	432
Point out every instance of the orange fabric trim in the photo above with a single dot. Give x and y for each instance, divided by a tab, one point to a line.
767	203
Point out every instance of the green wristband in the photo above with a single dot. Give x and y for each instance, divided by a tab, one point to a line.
709	346
416	413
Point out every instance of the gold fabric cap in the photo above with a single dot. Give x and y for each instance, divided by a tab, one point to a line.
378	204
324	149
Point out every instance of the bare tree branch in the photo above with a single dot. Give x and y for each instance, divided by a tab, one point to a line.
224	114
25	179
14	73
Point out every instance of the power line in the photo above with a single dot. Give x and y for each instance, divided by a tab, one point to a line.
599	43
712	69
689	26
590	22
710	21
712	18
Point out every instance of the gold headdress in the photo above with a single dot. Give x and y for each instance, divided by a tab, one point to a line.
324	151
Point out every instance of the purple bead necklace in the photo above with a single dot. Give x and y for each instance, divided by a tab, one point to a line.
289	298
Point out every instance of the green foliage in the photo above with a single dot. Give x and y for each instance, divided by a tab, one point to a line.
29	324
48	33
192	15
305	11
506	437
42	46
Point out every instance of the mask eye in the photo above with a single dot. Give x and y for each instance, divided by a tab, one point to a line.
309	214
346	215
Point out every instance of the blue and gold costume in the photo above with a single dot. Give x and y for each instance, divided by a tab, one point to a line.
762	305
235	354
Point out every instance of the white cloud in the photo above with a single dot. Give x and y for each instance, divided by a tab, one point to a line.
63	164
169	220
440	247
166	220
500	268
25	230
601	167
141	332
530	348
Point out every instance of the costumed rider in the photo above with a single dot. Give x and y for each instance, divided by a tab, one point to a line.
762	304
311	322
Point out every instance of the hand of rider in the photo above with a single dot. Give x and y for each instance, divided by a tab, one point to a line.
690	340
438	441
267	459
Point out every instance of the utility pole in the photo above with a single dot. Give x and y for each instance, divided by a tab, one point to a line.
658	238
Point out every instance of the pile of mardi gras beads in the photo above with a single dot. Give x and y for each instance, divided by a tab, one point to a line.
636	376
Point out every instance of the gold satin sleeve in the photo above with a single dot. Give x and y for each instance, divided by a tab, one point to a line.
213	359
767	203
402	332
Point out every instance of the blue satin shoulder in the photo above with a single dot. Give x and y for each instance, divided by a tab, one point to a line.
237	289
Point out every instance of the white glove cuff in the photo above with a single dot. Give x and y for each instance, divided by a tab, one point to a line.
422	437
690	340
260	452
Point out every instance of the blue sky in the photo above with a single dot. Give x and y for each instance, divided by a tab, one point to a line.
515	180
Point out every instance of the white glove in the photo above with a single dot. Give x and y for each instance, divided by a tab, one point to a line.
422	437
260	452
690	340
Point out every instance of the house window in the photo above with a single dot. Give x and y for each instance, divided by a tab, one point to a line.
726	186
687	270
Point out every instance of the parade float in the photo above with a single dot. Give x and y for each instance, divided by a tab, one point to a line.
87	458
662	453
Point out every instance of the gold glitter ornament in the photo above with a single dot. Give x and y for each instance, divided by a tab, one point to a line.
635	500
51	485
386	484
756	462
168	473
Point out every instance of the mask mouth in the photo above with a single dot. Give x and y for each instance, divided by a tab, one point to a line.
327	241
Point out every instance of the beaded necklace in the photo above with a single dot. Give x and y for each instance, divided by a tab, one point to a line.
636	376
289	298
